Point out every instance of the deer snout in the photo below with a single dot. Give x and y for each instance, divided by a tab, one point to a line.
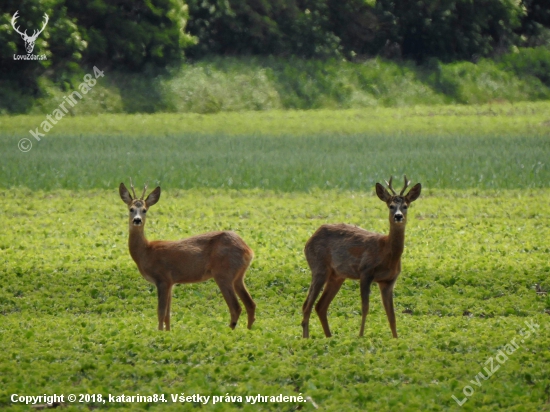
398	217
137	221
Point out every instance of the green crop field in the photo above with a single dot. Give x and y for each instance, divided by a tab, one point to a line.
472	300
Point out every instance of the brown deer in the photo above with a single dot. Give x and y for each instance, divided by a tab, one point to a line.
223	256
339	252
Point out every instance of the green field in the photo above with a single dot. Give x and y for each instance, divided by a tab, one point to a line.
77	318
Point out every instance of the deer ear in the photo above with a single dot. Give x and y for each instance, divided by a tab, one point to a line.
382	193
153	197
414	193
124	194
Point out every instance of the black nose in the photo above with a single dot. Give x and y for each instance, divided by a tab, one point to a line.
398	217
137	221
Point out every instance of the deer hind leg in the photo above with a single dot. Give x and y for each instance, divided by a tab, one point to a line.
364	285
164	291
332	287
245	297
318	280
228	292
386	290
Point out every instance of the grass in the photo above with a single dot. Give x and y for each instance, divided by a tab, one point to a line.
287	151
494	119
266	83
73	299
78	318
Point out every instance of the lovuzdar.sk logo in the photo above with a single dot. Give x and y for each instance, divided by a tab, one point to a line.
29	40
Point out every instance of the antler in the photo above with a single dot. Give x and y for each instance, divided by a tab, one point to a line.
13	19
407	183
144	190
132	187
35	33
389	185
46	20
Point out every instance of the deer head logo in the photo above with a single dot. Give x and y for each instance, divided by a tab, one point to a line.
29	40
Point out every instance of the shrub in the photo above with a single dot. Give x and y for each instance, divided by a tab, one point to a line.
529	62
470	83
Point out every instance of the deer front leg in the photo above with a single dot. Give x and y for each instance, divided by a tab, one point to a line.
386	290
163	293
364	285
168	307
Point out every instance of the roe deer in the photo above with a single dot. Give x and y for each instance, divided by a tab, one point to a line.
223	256
339	252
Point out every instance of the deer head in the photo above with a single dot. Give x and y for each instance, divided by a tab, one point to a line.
29	40
397	203
138	207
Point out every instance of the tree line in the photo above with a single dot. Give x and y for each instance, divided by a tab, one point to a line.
141	35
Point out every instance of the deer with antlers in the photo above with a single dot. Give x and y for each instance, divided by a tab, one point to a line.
339	252
29	40
223	256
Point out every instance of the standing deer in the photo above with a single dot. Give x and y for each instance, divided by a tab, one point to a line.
339	252
223	256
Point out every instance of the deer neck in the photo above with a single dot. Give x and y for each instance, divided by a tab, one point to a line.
396	241
137	242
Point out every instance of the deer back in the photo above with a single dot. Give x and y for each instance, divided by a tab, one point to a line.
348	250
194	259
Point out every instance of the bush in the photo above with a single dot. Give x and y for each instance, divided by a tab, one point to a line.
221	85
470	83
529	62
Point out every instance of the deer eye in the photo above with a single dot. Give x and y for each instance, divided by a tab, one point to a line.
392	207
405	206
144	210
132	210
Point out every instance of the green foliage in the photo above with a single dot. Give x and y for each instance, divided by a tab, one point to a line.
145	37
220	85
78	318
528	62
61	42
123	35
238	84
471	83
286	54
536	21
132	34
312	84
282	27
450	29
